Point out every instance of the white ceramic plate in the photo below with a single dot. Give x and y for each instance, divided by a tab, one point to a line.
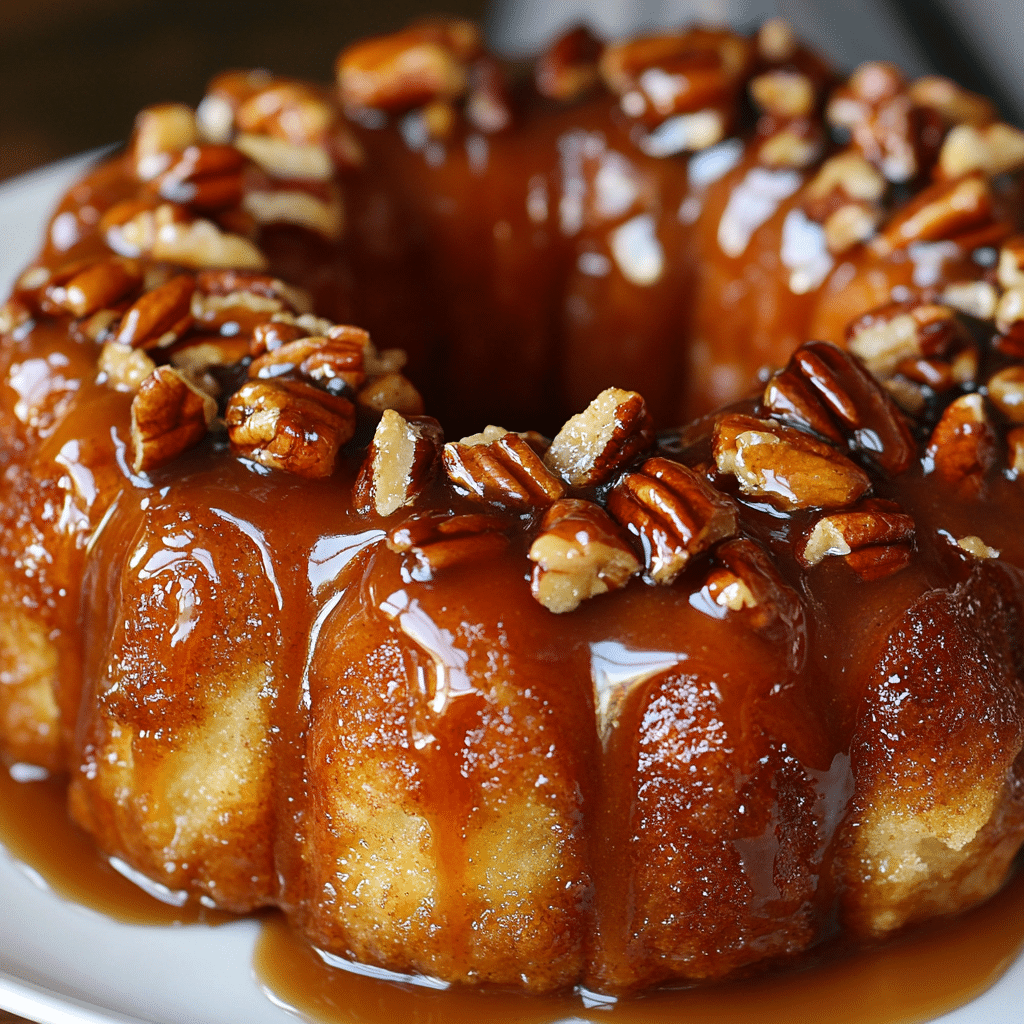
63	964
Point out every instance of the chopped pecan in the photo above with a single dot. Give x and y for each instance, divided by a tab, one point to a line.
991	149
875	539
215	115
169	415
943	210
289	425
161	132
776	41
422	63
975	298
1010	314
975	546
124	368
569	67
797	144
204	178
400	464
322	211
954	104
826	390
595	444
501	468
1010	269
391	391
82	288
435	541
199	355
790	467
169	233
235	302
1006	391
963	444
784	93
675	513
160	317
1015	452
844	178
578	554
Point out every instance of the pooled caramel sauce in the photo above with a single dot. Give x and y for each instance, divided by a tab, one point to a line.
921	975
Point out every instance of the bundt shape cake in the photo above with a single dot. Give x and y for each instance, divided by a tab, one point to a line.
624	707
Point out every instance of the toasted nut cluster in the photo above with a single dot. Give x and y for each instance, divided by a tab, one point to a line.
875	539
170	233
568	69
501	468
895	134
289	425
161	132
422	64
947	209
578	554
793	469
596	443
169	415
962	447
674	512
824	389
400	464
435	541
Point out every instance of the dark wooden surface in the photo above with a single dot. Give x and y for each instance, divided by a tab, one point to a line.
73	73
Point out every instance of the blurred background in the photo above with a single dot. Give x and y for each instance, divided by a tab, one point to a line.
74	72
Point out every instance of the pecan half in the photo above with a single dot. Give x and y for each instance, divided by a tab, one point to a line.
204	178
289	425
161	132
569	67
321	359
793	469
595	444
435	541
322	210
674	512
160	317
198	355
991	149
501	468
826	390
963	444
84	288
875	539
422	63
400	463
169	415
578	554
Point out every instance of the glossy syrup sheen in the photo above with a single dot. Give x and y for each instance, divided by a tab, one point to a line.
923	974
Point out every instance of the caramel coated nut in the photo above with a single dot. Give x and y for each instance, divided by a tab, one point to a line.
784	93
319	359
874	539
410	68
776	40
975	298
954	104
886	338
197	356
169	233
569	67
975	546
1015	452
579	553
160	317
674	512
1006	391
124	368
204	178
501	468
400	463
276	205
391	391
169	415
943	210
435	541
962	447
991	149
99	284
161	132
289	425
793	469
595	444
826	390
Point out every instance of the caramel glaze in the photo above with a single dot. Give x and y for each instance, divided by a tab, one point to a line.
734	753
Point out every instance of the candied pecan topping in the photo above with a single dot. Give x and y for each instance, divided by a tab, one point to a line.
953	103
963	445
425	62
790	467
1006	391
196	356
674	512
159	317
161	133
391	390
578	554
501	468
784	93
320	359
205	177
400	463
991	149
124	368
84	287
435	541
289	425
568	69
169	415
975	546
595	444
824	389
875	539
